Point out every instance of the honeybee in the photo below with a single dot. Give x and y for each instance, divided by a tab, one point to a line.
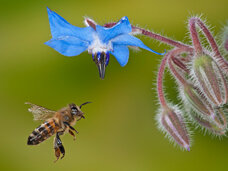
55	123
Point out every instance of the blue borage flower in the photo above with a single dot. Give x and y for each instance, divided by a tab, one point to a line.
99	41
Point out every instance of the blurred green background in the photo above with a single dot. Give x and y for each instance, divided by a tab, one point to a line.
119	132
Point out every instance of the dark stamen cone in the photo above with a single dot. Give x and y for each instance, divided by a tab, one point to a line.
101	69
171	121
100	60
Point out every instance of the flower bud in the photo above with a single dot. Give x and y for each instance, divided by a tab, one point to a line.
205	114
215	127
195	100
171	122
220	118
226	44
209	78
225	37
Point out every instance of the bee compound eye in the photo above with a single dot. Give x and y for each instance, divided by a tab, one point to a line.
74	111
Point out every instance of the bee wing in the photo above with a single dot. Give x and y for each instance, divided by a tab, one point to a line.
39	112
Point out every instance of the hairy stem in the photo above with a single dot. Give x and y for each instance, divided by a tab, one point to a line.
155	36
159	37
162	69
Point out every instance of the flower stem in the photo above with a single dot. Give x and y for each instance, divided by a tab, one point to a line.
162	69
153	35
159	37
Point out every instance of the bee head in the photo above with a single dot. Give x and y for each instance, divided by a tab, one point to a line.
76	110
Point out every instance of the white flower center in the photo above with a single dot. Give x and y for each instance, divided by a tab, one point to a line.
97	46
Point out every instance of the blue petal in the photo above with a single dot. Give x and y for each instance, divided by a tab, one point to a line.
68	46
60	27
122	27
121	53
129	40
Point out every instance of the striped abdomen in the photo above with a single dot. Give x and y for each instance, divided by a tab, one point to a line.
43	132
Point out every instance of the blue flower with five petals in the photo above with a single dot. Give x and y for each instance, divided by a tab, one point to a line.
100	41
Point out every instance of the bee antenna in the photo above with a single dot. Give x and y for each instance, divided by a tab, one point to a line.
84	104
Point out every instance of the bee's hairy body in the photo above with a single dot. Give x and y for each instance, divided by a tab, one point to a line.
55	123
51	126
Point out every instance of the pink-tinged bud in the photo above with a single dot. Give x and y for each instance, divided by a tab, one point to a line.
192	98
226	44
213	126
171	122
210	80
225	37
220	118
197	102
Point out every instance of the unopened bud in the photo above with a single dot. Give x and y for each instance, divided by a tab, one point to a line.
171	122
225	37
209	78
192	97
213	126
205	115
220	118
226	44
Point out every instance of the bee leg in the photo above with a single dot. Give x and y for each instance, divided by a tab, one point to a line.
58	146
72	128
71	133
57	150
59	143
